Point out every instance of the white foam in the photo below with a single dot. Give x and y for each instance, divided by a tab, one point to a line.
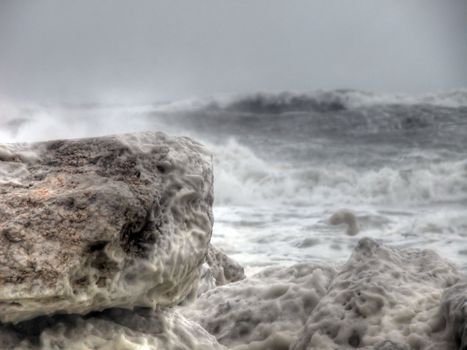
266	311
243	178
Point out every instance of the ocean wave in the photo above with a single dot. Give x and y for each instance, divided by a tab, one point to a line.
319	100
243	178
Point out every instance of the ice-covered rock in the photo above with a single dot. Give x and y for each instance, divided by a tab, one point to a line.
113	329
265	311
95	223
382	299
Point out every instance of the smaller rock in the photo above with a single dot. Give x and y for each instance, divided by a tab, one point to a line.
381	294
347	217
223	269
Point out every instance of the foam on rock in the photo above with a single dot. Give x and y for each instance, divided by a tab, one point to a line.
382	299
262	312
101	222
452	317
113	329
223	268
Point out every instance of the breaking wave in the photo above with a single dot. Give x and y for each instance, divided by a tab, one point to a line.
243	178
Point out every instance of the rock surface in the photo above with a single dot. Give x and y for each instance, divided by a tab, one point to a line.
105	222
265	311
113	329
223	268
382	298
452	317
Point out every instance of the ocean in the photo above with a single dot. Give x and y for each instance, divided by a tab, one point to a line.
285	162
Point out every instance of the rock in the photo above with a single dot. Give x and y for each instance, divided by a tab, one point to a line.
382	298
389	345
262	312
206	282
218	270
347	217
223	268
113	329
452	317
91	224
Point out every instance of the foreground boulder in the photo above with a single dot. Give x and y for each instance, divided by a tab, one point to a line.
90	224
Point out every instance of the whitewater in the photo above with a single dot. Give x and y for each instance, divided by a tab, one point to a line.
285	163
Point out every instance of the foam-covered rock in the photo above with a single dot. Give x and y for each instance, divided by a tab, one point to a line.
452	317
101	222
113	329
218	270
265	311
223	268
382	299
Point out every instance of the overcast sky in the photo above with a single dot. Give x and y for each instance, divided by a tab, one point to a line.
135	50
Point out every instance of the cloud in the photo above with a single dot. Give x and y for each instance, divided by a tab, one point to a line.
156	50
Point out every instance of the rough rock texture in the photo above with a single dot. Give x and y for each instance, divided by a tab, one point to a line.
218	270
103	222
265	311
452	318
113	329
382	299
223	268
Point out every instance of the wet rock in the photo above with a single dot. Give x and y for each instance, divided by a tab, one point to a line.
102	222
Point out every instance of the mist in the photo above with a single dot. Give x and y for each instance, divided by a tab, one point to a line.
147	51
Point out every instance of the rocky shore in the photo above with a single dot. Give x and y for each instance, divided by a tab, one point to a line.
105	244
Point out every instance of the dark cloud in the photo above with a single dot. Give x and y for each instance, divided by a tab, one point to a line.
152	50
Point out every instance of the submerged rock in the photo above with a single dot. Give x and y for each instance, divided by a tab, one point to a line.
347	217
382	298
102	222
113	329
265	311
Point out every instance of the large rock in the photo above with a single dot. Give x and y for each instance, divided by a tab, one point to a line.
382	299
105	222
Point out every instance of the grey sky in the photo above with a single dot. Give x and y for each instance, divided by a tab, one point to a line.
157	50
